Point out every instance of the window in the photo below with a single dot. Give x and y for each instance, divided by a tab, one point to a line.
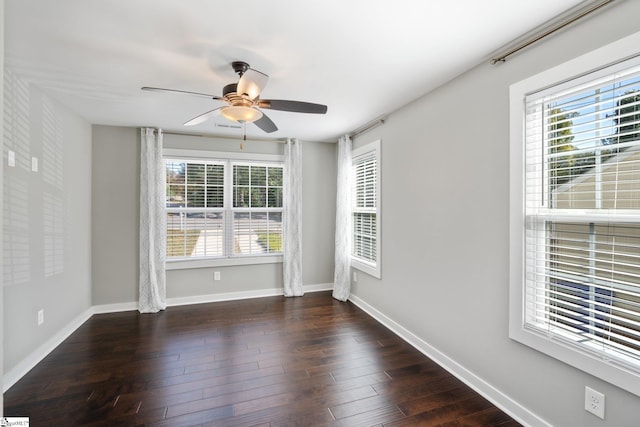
366	208
223	208
195	208
575	268
257	209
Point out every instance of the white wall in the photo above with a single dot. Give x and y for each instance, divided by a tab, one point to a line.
445	206
116	210
46	219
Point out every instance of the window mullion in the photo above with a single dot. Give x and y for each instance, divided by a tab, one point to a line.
228	211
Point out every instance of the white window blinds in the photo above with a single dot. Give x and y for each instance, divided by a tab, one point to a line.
194	206
582	192
257	209
364	199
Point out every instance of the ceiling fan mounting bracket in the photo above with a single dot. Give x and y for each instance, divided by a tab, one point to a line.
240	67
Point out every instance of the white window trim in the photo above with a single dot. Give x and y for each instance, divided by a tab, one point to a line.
181	264
180	153
597	59
365	266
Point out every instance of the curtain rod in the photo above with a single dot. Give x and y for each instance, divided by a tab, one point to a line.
370	125
567	21
239	138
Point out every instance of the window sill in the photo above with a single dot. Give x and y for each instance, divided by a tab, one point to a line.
222	262
370	269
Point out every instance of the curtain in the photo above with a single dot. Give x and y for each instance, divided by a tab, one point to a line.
292	256
152	283
342	277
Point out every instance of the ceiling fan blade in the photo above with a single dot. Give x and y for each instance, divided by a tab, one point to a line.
251	83
293	106
184	92
266	124
203	117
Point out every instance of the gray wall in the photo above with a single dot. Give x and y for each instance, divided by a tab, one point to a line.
114	206
46	218
445	213
1	199
115	219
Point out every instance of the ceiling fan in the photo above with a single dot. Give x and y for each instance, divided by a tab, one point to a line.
244	100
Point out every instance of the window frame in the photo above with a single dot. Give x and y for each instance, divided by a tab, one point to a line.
364	265
614	53
228	158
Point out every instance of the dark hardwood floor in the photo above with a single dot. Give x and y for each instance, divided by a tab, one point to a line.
309	361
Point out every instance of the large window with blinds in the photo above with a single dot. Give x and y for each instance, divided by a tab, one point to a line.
580	273
223	208
365	181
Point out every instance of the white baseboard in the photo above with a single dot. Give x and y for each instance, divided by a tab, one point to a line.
320	287
201	299
114	308
495	396
13	375
233	296
229	296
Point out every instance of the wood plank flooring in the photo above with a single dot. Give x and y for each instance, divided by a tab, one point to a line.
309	361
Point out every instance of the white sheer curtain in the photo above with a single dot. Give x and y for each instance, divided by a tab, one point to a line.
342	277
152	223
292	221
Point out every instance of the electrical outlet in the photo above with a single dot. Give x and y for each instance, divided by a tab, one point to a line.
34	164
40	317
355	277
11	158
594	402
216	275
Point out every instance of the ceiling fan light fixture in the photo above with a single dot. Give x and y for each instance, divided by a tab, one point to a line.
241	114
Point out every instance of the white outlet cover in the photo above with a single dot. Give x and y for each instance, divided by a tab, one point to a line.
34	164
11	158
594	402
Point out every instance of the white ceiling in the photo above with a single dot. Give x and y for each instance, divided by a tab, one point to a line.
362	58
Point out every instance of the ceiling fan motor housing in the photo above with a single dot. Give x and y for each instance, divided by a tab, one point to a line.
230	88
230	94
